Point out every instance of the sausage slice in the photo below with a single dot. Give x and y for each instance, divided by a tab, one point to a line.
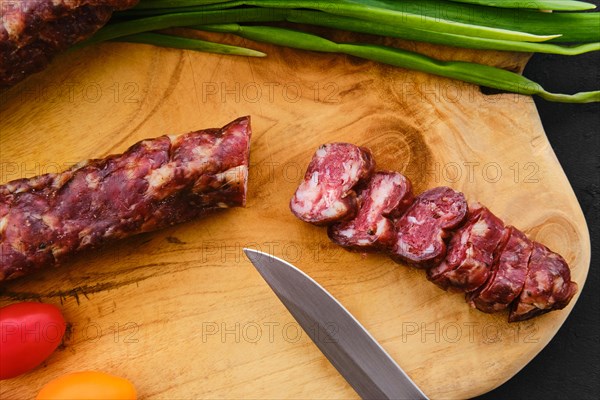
507	276
328	192
388	195
470	252
424	226
548	285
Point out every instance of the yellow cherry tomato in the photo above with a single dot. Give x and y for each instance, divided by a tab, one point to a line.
88	385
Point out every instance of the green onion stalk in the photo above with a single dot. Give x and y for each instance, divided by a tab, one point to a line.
569	29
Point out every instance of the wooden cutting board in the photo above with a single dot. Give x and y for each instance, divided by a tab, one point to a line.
183	314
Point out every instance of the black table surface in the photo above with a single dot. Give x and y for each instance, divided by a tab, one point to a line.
569	366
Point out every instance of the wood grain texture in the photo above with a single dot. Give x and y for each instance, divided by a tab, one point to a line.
183	314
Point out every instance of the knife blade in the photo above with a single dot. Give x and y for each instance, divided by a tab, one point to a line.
350	348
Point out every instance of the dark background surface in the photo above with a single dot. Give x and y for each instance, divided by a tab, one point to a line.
569	367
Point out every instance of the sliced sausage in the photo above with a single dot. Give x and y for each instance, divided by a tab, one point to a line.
547	287
422	229
470	252
328	192
498	267
507	275
154	184
387	195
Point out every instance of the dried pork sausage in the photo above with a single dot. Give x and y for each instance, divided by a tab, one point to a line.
424	226
387	195
32	32
328	192
470	252
547	287
508	274
154	184
498	267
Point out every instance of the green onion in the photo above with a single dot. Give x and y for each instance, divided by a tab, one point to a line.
476	24
124	28
449	39
364	10
573	27
151	4
318	18
482	75
555	5
191	44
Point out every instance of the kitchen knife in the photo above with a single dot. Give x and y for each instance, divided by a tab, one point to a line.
343	340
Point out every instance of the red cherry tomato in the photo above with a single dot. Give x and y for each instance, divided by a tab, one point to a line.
86	385
29	333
